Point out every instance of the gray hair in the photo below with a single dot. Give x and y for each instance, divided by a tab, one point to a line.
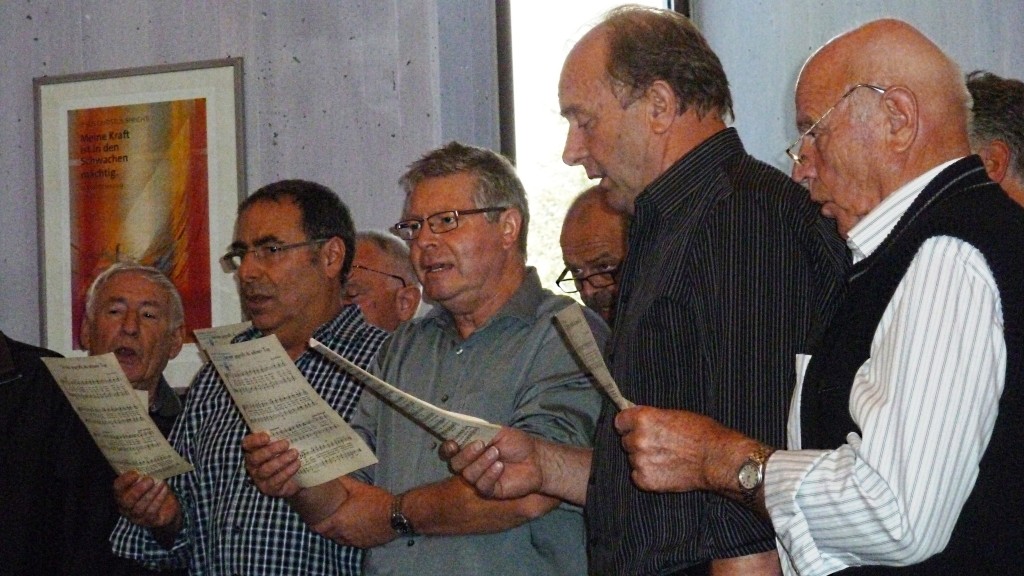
997	113
497	182
396	251
149	273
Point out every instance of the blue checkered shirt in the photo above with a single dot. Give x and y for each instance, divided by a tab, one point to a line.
229	526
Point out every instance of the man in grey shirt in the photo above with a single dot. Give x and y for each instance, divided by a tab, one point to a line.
488	349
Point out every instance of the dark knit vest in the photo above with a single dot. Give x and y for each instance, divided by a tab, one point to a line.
960	202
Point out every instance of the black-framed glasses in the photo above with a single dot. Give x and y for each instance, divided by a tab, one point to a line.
368	269
439	223
267	253
794	149
571	284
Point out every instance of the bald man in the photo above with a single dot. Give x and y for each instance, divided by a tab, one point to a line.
903	431
593	246
997	129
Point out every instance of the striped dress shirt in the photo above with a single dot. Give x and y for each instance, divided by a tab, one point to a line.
229	526
926	402
729	266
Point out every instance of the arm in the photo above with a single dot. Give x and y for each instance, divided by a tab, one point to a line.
926	403
516	464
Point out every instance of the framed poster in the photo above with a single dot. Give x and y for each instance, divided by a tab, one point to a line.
142	164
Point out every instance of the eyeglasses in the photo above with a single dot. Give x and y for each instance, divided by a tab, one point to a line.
439	223
571	284
794	149
232	261
399	278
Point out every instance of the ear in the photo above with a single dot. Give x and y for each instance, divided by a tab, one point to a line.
901	110
511	222
662	106
177	340
407	302
996	156
332	256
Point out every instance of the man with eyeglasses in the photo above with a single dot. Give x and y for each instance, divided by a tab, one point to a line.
293	247
593	246
904	434
729	268
488	348
382	281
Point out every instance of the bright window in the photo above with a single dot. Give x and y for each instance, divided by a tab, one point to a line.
542	35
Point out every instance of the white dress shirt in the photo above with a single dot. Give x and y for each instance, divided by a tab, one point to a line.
925	401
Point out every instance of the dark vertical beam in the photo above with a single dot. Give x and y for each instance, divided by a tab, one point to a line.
681	6
506	95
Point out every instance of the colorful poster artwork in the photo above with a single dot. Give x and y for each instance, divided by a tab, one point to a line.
139	192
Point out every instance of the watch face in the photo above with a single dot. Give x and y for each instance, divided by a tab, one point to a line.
750	475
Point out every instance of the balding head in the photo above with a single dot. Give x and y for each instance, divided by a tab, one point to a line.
900	109
593	246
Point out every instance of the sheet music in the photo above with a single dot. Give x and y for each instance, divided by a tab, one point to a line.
273	395
441	423
581	341
207	337
116	416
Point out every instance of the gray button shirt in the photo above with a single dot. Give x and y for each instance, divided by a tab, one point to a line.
514	370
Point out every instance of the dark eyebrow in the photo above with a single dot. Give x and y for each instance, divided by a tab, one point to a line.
261	241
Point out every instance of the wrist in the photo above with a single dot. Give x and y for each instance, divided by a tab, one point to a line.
400	524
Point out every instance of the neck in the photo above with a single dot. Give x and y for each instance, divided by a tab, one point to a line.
295	344
471	319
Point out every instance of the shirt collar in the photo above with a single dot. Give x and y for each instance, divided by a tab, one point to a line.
693	173
522	305
868	234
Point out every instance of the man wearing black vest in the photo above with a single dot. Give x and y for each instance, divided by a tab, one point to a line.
902	450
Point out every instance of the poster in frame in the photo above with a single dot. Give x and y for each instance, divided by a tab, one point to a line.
144	165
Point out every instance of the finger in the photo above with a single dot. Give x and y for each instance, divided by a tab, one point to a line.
279	463
466	456
448	449
156	503
123	482
626	420
489	481
255	440
479	466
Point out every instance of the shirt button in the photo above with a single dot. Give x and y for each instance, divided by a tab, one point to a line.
459	351
444	398
410	542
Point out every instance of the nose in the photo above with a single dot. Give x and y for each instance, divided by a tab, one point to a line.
803	171
574	151
250	268
130	323
588	291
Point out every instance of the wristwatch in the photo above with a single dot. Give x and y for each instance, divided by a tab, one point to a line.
399	523
751	473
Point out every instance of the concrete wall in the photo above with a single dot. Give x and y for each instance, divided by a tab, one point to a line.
763	43
344	92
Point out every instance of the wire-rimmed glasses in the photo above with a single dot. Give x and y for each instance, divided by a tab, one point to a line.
793	151
439	223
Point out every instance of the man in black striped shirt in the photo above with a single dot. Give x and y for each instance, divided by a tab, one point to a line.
729	268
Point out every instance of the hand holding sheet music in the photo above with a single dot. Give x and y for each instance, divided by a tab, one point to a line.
272	395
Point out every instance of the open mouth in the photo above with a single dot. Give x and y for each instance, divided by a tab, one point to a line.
126	355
